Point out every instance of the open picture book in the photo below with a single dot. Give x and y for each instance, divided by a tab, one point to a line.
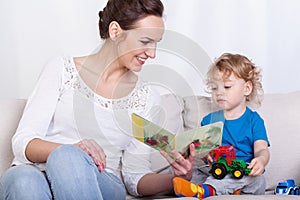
205	138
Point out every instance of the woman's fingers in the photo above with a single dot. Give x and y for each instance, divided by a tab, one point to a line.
93	149
181	166
97	150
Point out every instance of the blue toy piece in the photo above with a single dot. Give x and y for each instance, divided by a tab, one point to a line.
287	188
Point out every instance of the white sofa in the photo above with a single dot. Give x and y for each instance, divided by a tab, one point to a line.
281	113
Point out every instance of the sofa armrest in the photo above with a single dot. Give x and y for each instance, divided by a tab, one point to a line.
10	115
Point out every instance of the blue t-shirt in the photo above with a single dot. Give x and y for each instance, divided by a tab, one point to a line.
241	132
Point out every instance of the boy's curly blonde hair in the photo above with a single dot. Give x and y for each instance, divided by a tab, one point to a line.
242	68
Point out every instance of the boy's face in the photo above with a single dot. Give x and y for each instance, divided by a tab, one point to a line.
229	93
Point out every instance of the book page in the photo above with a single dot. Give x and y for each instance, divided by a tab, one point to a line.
152	134
205	138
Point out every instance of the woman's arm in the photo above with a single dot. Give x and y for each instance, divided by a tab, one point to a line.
38	112
38	150
151	184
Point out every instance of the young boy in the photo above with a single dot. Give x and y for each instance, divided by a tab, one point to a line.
234	81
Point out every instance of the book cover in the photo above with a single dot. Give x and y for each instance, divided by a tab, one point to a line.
205	138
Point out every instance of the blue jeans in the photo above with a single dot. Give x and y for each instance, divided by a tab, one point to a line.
70	174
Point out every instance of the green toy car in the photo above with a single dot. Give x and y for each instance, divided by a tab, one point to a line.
229	164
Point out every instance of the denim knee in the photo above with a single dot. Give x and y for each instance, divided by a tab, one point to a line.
67	156
72	174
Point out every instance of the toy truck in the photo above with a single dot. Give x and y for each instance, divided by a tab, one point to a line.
287	187
225	162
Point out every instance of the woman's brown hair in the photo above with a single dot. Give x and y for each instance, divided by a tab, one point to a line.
126	13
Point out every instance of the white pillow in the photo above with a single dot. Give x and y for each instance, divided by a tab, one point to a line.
195	108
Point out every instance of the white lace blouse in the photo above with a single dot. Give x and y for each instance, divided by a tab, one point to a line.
63	109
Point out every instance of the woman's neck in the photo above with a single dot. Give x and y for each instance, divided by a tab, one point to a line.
103	73
106	62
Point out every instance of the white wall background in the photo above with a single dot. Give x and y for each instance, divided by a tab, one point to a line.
267	31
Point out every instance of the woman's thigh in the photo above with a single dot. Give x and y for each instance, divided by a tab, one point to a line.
72	174
111	186
24	182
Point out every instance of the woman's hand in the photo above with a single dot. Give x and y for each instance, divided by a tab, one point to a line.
93	149
182	167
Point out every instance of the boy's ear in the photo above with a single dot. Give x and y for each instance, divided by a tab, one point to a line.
114	30
248	88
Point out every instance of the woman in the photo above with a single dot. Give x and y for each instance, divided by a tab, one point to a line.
59	151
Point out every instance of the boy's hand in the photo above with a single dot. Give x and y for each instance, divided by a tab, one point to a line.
257	167
262	156
209	159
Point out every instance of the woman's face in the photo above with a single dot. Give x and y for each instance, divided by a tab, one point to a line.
140	43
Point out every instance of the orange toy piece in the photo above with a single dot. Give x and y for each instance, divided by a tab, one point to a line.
237	192
184	188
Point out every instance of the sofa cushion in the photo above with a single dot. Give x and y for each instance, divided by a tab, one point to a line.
10	114
172	107
253	197
281	113
195	108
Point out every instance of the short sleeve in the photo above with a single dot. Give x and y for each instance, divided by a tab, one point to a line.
259	129
213	117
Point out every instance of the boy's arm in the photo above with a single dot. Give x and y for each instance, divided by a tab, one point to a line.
261	158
